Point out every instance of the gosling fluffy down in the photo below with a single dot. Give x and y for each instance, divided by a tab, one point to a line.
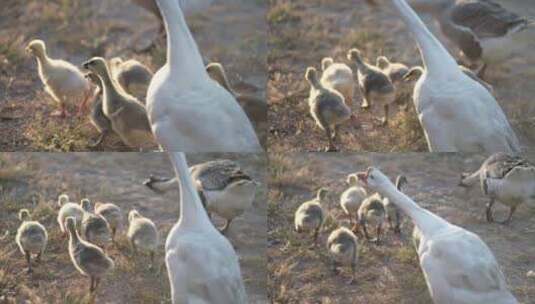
142	234
343	248
31	237
68	209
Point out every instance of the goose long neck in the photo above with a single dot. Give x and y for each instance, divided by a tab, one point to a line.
192	213
437	60
426	221
183	55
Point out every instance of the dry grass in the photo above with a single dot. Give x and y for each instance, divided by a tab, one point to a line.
232	33
35	183
302	32
388	273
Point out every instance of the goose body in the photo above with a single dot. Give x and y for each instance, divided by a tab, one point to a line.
309	217
202	264
457	113
31	237
94	227
127	115
338	77
133	76
352	198
372	212
343	248
458	266
97	117
112	214
88	259
68	209
374	84
255	108
507	179
327	107
62	80
142	234
483	30
186	109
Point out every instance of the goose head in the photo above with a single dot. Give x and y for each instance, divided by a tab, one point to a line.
96	65
63	199
311	75
36	48
24	215
85	203
321	194
382	62
374	179
326	63
132	215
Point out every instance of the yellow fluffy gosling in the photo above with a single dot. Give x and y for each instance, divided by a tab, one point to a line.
142	234
95	229
343	249
309	217
31	238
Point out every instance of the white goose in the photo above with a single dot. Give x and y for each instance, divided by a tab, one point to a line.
483	30
456	112
187	110
202	264
458	266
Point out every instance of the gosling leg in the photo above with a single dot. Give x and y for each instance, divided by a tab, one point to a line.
378	230
29	261
316	234
510	217
331	147
384	120
363	224
490	217
151	259
38	258
365	104
353	273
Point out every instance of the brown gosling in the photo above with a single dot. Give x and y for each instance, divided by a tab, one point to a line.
95	229
63	81
132	75
372	212
327	107
343	249
142	234
113	215
374	84
256	109
309	217
97	117
31	238
88	259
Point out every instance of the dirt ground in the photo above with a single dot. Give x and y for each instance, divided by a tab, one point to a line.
232	32
388	273
302	32
117	178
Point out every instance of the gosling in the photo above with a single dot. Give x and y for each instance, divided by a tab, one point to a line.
133	76
97	117
127	115
338	77
68	209
112	214
64	82
31	238
394	215
343	249
95	229
394	70
352	198
310	216
372	212
88	259
142	234
374	84
327	107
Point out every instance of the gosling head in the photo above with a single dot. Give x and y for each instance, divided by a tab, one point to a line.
382	62
96	65
115	62
311	75
322	194
374	179
24	215
214	68
70	224
326	63
36	48
132	215
63	199
352	179
85	203
354	55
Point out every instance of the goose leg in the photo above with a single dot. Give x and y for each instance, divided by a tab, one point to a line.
29	261
510	217
490	217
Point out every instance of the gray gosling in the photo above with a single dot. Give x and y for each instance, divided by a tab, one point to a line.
372	212
374	84
394	215
96	116
88	259
309	217
127	115
68	209
343	249
394	70
133	76
112	214
327	107
95	229
31	238
142	234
